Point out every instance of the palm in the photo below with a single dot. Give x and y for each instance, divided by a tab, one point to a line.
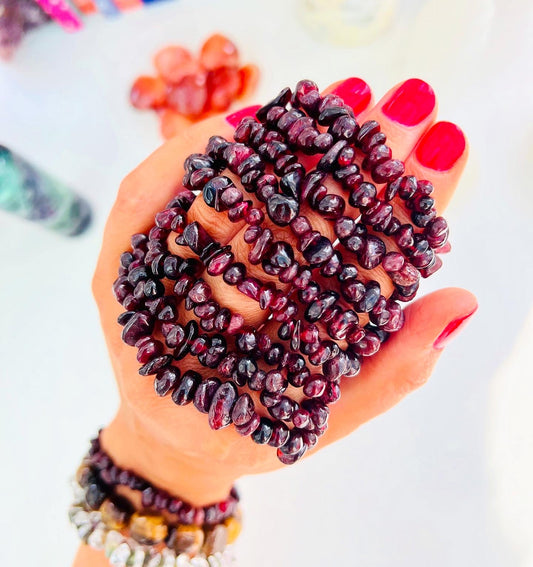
404	362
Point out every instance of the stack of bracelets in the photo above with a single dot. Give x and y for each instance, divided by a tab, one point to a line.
167	532
324	335
264	158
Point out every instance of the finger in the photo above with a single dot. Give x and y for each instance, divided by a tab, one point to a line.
404	362
146	190
440	156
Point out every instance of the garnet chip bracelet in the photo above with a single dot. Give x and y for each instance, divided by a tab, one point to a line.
296	159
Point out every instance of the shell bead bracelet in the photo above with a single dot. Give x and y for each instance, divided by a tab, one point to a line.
301	157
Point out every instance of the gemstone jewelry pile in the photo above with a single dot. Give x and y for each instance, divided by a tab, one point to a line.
165	532
331	313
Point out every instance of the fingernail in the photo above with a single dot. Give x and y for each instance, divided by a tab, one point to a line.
412	102
355	93
441	146
236	117
452	330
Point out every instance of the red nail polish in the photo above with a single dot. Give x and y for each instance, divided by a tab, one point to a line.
236	117
451	330
441	146
412	102
355	93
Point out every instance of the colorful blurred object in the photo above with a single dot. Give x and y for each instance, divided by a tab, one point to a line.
34	195
19	16
188	88
16	18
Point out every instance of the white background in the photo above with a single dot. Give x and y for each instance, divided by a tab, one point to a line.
442	480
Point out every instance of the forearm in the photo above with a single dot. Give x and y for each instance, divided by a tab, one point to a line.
132	445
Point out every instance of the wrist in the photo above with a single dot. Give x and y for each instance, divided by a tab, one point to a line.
134	446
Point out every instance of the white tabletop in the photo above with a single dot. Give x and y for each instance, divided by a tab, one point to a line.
441	480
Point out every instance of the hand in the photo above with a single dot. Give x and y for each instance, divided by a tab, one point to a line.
173	446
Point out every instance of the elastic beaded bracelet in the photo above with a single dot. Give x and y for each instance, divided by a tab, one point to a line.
122	550
265	161
98	475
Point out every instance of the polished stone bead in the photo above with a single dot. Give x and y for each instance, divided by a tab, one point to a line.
288	274
184	393
95	494
216	540
404	237
332	206
261	246
407	186
314	386
297	128
328	162
309	293
280	256
222	405
317	250
294	444
148	529
166	379
397	318
370	297
191	332
282	209
236	323
139	325
228	365
196	237
175	336
187	539
318	411
250	287
204	394
367	130
263	432
323	142
236	154
437	232
200	292
378	216
235	274
257	381
290	459
243	410
332	393
344	127
250	427
280	100
284	409
342	324
148	349
290	183
364	195
393	262
371	252
317	308
155	365
275	382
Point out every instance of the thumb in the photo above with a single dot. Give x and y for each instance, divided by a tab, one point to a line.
405	361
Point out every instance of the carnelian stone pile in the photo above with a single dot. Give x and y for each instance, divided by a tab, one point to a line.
188	88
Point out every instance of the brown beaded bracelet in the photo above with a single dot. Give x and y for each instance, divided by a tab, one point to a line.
98	475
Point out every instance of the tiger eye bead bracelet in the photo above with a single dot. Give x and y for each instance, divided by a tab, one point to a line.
302	156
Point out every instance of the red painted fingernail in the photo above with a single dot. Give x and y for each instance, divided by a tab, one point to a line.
355	93
441	146
452	330
236	117
412	102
